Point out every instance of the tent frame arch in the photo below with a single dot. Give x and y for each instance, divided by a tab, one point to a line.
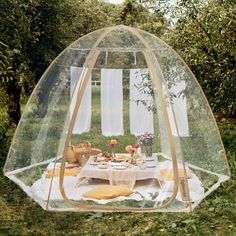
148	57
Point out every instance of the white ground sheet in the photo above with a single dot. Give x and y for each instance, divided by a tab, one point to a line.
143	188
141	119
111	102
83	119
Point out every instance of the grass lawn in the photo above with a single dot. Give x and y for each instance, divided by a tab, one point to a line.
216	215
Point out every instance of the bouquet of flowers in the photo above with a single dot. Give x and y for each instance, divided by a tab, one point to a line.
132	149
146	139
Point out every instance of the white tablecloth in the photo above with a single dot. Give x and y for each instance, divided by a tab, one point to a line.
130	174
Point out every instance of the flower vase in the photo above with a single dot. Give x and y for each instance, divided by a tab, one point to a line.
133	160
113	154
148	151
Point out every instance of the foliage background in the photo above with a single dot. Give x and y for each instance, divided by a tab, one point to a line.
32	33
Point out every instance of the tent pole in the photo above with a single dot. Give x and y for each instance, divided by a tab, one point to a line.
91	64
148	56
201	91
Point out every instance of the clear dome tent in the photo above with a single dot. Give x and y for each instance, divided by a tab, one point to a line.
117	122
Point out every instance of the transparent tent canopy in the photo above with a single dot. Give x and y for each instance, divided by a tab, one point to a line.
117	122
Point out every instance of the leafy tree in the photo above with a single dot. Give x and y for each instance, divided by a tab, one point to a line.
205	34
147	15
32	33
5	132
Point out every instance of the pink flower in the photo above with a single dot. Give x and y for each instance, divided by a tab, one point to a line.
136	145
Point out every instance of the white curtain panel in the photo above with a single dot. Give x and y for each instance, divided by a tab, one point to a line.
141	119
180	108
83	119
111	102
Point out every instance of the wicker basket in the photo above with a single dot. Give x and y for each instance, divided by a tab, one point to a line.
75	153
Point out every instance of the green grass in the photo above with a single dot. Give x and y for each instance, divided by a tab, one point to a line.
20	216
216	215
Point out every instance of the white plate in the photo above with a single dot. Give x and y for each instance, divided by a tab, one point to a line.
119	167
150	166
94	164
102	166
113	164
